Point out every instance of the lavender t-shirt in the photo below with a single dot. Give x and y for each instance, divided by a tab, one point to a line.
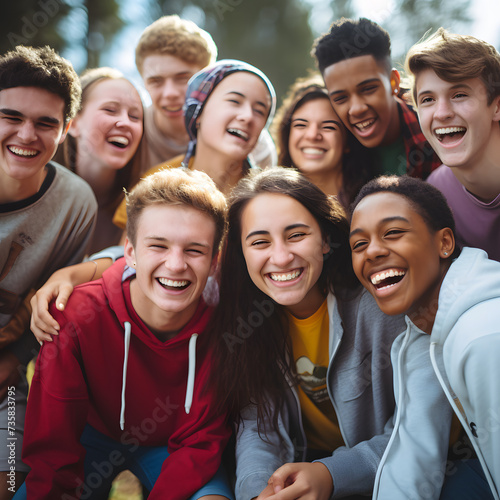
477	223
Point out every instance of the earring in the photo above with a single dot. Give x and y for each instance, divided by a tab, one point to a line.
134	263
445	254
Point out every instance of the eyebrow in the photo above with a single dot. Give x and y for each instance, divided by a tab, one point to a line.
165	240
287	228
364	82
453	87
260	103
13	112
324	121
383	221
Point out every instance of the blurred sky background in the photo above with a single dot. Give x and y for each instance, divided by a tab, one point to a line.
274	35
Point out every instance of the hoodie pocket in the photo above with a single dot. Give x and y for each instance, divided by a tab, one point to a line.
352	382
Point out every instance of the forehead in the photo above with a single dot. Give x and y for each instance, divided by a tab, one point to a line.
166	65
113	89
315	107
177	223
33	102
245	83
427	80
285	210
351	72
378	206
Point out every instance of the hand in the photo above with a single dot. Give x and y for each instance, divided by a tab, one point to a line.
43	325
307	481
9	372
266	492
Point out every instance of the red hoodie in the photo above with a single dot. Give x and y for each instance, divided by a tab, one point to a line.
79	379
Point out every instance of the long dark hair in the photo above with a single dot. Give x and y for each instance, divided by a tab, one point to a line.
249	329
357	164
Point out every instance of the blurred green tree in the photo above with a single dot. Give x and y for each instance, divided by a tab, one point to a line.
273	35
89	24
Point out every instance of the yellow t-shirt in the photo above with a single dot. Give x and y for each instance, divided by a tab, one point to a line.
120	217
310	339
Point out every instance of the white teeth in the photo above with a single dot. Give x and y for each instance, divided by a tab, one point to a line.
313	151
22	152
119	139
239	133
175	283
365	124
377	278
285	276
449	130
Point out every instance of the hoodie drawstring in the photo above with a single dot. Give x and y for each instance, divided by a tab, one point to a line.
128	330
191	372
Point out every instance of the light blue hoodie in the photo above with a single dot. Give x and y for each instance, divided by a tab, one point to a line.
457	365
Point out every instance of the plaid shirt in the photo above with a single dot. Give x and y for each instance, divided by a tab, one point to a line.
420	157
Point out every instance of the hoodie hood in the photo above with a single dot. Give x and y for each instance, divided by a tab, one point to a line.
472	278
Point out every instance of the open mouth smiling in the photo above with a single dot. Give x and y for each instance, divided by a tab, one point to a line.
288	276
119	141
448	134
362	126
387	278
22	152
238	133
173	284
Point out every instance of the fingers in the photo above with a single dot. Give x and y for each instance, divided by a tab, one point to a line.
42	324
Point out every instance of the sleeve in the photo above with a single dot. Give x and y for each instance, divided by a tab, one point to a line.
353	469
55	418
257	457
114	253
195	447
413	465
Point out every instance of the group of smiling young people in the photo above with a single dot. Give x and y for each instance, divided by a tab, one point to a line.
354	345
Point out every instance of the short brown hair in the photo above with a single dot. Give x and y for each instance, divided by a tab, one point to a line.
177	37
455	58
42	67
177	186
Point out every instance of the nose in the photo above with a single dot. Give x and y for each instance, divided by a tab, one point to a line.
443	109
26	132
170	89
357	106
375	249
245	112
281	255
312	132
175	261
123	119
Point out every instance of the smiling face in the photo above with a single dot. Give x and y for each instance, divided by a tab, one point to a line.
362	94
283	249
456	119
166	78
234	115
317	138
173	262
397	258
109	127
31	128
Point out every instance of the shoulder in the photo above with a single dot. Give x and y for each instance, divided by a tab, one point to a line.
72	187
441	177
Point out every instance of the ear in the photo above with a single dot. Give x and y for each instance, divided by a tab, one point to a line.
395	81
496	108
129	253
65	131
446	242
214	264
326	248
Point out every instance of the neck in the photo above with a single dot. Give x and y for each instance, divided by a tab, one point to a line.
12	190
224	171
164	325
166	128
309	305
329	182
100	177
482	177
394	129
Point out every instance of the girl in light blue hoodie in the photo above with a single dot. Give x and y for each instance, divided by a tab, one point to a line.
448	359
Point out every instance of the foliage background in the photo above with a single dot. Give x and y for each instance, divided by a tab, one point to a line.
274	35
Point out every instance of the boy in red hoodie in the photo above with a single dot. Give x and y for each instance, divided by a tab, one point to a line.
123	386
